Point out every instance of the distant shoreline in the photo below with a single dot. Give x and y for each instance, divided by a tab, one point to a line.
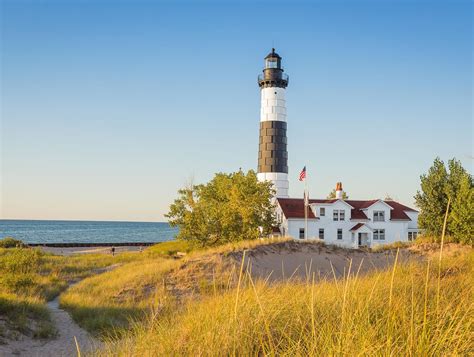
74	220
101	244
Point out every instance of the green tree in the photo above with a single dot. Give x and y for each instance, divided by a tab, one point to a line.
229	208
437	187
332	194
432	199
461	217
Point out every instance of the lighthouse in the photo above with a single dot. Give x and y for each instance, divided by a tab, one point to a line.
272	150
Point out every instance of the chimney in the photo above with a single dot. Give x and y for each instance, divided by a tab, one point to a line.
339	190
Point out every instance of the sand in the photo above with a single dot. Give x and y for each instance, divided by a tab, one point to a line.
299	261
90	250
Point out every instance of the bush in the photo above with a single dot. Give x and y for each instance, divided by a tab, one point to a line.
20	261
9	242
170	248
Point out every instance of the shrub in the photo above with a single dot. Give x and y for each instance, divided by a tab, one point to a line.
9	242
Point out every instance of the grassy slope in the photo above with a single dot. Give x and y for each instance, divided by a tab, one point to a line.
106	304
29	278
396	312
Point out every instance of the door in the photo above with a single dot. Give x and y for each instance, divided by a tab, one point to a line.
363	239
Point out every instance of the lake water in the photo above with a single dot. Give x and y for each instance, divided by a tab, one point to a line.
86	231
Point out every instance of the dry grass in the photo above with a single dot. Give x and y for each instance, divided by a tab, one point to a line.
29	278
107	303
395	312
205	304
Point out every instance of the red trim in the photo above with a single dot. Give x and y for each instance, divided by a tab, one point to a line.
357	226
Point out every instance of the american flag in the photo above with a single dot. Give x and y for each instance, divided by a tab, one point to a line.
303	174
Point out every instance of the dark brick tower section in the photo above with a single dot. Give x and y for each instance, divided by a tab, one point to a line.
272	151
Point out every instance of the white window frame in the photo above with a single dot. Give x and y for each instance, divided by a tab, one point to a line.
301	231
379	234
379	216
338	215
321	233
339	230
322	211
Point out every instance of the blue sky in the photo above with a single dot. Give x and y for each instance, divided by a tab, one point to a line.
109	107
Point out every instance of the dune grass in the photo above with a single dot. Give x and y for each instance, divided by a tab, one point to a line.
107	303
170	248
29	278
110	302
422	308
394	312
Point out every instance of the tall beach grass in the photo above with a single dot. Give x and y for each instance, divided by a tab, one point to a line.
393	312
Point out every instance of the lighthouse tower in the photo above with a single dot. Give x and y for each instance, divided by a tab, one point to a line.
272	151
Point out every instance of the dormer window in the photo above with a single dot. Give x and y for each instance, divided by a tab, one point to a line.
379	216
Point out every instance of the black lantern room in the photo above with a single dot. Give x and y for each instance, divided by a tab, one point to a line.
273	75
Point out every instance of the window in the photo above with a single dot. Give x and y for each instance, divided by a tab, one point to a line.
379	234
301	233
379	216
272	63
321	233
339	233
322	211
412	236
338	215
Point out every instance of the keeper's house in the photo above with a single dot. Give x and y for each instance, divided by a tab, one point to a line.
348	223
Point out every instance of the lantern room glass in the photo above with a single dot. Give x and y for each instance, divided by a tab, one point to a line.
271	63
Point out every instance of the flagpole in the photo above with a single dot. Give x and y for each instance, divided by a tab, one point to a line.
306	201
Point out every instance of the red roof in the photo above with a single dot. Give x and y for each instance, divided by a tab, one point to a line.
294	208
395	204
276	229
356	227
358	214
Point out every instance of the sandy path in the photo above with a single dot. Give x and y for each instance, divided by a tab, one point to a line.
64	344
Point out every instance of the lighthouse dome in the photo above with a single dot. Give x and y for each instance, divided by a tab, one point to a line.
273	54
